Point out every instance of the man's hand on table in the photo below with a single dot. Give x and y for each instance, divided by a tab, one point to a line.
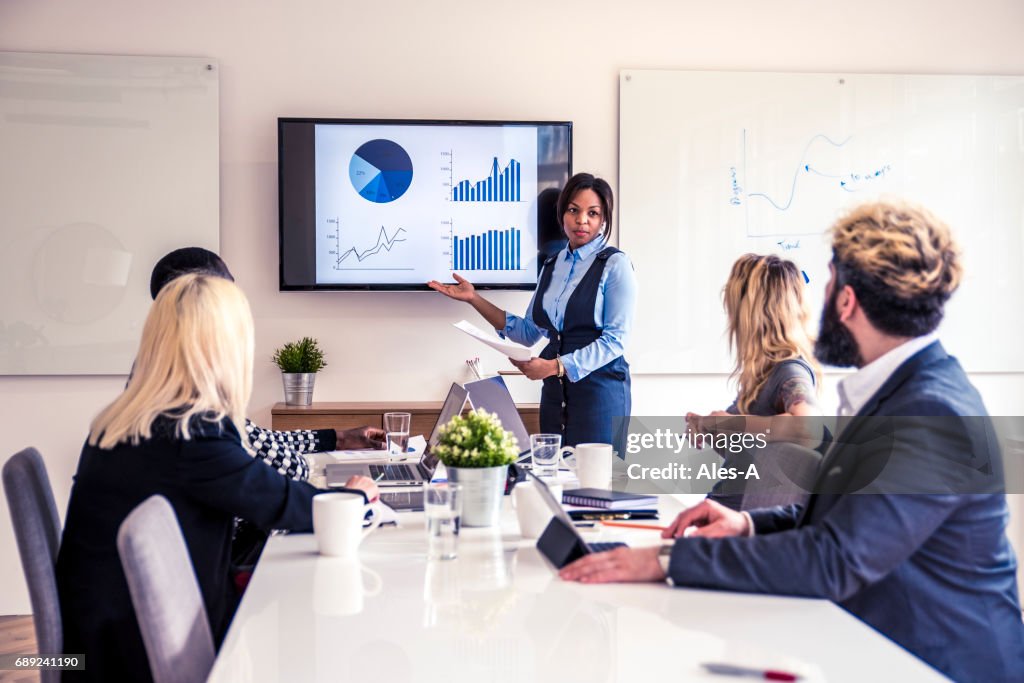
707	519
360	437
614	566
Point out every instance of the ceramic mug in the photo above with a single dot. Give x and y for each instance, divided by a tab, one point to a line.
531	511
338	523
592	463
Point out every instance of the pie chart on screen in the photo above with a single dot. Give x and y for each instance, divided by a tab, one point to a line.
381	171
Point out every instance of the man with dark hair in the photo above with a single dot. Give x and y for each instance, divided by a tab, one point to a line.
183	261
284	451
894	532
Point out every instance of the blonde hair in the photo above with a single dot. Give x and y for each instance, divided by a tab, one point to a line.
767	321
902	262
195	361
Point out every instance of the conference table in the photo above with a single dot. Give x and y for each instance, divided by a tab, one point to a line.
498	612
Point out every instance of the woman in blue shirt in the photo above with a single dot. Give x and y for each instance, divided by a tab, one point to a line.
583	306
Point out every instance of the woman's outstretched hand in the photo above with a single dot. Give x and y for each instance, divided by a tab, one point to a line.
462	290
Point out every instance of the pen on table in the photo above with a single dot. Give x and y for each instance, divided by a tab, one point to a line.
748	672
601	516
652	527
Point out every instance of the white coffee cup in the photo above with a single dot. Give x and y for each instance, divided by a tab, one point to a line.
339	586
593	464
533	514
338	523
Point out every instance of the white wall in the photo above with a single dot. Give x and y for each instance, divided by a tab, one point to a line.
448	59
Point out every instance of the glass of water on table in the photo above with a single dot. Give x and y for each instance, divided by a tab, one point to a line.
545	451
442	506
396	430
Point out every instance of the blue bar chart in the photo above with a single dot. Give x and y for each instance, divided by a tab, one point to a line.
499	186
489	250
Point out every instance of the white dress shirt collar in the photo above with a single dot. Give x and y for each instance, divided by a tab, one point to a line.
856	389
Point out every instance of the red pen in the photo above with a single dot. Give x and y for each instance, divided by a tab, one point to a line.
747	672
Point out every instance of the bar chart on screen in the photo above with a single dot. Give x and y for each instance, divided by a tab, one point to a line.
487	249
503	184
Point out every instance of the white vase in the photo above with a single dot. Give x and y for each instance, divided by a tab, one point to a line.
482	491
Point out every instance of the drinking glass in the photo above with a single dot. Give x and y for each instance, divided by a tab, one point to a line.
442	506
396	428
545	449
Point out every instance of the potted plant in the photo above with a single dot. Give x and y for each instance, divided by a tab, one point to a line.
299	362
476	451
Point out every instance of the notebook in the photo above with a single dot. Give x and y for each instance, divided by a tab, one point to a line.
560	543
608	500
403	474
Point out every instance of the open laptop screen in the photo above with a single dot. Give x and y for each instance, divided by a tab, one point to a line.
453	404
492	395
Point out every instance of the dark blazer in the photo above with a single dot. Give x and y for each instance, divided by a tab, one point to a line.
209	480
933	572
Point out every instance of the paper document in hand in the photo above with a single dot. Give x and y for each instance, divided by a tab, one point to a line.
510	349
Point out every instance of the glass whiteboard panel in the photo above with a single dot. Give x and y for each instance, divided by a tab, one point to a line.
717	164
107	163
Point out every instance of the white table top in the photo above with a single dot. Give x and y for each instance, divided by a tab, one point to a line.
499	613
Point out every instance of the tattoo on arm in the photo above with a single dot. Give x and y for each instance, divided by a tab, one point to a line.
795	390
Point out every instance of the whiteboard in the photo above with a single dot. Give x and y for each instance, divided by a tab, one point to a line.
107	163
716	164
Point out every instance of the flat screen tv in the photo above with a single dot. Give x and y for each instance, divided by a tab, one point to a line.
390	204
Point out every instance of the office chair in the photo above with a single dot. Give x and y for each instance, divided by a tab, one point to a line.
37	530
165	593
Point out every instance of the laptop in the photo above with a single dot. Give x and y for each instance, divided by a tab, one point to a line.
491	394
561	543
402	474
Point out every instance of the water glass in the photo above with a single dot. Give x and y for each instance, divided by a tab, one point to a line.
396	429
545	449
442	506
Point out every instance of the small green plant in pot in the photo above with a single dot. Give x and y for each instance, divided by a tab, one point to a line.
299	362
476	450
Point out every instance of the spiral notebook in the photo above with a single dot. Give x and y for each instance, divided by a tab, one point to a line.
608	500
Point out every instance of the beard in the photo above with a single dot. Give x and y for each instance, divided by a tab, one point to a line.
835	345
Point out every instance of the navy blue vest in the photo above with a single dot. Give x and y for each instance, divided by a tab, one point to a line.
583	411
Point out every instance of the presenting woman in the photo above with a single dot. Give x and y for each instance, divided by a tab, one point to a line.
583	305
774	369
176	430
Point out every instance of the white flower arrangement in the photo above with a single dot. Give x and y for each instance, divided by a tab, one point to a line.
476	440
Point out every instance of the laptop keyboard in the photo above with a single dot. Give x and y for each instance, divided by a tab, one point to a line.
602	547
391	472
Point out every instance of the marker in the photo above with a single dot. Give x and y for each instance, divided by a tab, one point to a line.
748	672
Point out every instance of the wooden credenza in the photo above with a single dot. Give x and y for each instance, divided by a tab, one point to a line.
346	415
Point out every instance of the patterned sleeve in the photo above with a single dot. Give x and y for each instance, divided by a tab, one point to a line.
283	450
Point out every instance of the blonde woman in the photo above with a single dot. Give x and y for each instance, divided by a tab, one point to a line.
175	431
775	370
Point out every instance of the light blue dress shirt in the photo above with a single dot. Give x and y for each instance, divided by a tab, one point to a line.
613	310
